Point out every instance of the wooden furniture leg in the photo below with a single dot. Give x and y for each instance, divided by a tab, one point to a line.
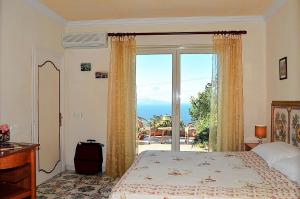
32	170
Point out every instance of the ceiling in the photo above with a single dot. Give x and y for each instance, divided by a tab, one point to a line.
124	9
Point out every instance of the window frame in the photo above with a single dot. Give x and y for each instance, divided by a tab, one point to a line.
176	51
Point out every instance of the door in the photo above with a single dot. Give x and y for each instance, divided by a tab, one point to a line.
195	68
173	98
154	100
48	117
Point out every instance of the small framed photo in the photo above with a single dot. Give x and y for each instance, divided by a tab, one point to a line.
101	75
86	66
283	68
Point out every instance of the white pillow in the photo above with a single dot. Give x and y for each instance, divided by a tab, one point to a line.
289	167
274	151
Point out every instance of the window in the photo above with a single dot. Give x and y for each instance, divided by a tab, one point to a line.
167	81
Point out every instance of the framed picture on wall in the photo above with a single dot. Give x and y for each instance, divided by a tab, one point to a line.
283	68
101	75
85	66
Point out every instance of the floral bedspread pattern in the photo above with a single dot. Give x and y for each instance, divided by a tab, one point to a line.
191	175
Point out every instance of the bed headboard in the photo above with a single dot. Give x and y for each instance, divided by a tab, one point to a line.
285	122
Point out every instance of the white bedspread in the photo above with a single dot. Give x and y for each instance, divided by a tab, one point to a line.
191	175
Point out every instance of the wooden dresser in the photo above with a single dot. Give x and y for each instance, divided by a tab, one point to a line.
17	170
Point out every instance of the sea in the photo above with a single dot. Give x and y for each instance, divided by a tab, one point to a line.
147	111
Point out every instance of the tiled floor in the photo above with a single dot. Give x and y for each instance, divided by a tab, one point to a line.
74	186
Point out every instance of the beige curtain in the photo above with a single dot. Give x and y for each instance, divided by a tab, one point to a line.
121	142
227	123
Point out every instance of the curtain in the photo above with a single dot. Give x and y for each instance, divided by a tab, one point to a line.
227	122
121	124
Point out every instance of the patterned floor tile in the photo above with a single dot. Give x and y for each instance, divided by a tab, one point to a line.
69	185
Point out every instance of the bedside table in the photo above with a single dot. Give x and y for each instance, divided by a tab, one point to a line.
249	146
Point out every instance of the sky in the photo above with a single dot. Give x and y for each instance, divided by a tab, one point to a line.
154	77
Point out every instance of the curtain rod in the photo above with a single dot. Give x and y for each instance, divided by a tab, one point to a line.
111	34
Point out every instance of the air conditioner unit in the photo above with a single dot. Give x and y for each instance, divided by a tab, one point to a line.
84	40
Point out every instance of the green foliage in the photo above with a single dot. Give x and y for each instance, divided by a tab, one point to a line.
160	121
201	138
202	124
200	114
201	104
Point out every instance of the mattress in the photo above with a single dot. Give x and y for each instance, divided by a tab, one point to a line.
191	175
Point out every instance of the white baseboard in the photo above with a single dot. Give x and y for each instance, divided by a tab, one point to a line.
70	167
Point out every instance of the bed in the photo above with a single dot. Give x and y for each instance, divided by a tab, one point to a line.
268	171
176	175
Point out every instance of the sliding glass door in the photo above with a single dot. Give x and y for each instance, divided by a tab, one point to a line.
195	85
170	86
154	101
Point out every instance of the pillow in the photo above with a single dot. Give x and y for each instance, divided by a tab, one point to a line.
289	167
274	151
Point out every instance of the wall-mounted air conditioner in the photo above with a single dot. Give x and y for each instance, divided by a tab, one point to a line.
84	40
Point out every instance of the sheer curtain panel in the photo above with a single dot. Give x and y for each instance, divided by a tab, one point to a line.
121	120
227	116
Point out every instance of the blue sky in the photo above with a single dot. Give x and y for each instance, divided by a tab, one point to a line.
154	77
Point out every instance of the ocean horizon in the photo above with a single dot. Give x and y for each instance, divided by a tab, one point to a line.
147	111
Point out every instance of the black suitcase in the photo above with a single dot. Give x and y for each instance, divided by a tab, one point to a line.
88	157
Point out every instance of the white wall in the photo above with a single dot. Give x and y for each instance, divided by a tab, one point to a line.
86	100
283	40
87	96
22	28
